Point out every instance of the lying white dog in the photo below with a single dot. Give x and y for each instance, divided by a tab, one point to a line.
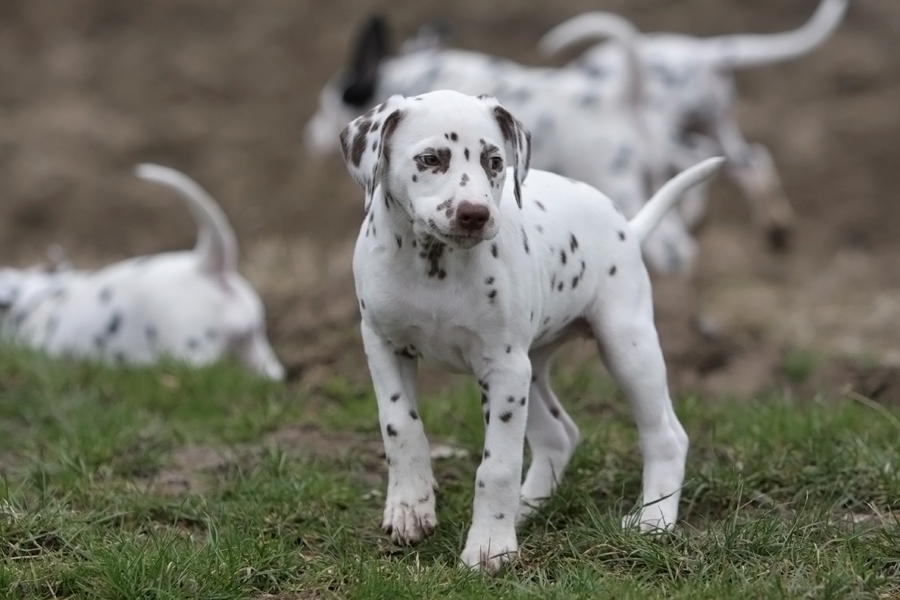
457	268
689	87
191	306
580	131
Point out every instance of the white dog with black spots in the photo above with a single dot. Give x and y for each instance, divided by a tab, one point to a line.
190	306
460	267
688	97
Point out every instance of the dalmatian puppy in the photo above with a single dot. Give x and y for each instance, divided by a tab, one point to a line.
191	306
689	86
460	267
580	130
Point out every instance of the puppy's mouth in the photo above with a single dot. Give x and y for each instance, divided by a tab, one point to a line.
463	241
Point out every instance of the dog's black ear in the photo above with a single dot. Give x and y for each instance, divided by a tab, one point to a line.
518	143
371	49
366	143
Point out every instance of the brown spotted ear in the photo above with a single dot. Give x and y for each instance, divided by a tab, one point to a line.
518	143
366	143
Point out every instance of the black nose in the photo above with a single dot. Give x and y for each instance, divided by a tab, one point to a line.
472	216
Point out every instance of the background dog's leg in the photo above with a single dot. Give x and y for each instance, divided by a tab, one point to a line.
551	433
505	380
409	509
753	169
630	345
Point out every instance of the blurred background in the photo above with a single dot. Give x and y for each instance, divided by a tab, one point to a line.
221	89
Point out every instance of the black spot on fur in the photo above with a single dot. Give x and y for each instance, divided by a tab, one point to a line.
362	304
555	412
466	153
540	205
612	270
525	241
487	454
399	241
115	323
573	243
522	401
484	398
391	431
492	295
494	250
481	484
506	416
395	397
453	137
562	256
415	178
510	399
508	348
622	235
489	280
414	415
499	516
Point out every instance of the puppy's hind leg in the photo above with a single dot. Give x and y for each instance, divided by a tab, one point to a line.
625	330
551	434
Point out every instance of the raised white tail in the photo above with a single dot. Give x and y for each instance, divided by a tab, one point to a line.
753	50
593	25
216	247
643	223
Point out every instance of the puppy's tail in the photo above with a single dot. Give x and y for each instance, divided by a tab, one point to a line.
669	194
602	25
216	247
753	50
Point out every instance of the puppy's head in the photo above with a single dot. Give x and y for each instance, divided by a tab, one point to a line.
442	159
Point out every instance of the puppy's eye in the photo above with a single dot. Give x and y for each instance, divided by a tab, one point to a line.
496	163
429	160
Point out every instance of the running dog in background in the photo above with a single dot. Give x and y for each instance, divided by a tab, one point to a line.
579	129
191	306
689	87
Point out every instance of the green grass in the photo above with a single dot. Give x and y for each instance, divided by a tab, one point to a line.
783	499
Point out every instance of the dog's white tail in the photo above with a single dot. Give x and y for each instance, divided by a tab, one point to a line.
643	223
752	50
216	247
602	25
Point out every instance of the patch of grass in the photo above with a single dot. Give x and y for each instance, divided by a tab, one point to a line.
783	499
798	364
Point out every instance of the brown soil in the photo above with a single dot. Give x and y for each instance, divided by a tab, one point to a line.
221	90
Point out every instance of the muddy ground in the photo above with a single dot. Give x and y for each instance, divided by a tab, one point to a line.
221	90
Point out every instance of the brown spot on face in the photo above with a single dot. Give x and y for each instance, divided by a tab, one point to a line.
443	155
487	152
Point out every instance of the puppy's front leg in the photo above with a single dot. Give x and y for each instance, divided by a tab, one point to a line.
492	539
409	510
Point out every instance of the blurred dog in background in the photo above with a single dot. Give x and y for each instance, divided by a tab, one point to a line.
191	306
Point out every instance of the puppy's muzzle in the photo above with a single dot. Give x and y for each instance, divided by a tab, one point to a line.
472	217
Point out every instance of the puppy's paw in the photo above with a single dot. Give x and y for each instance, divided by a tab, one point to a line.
410	517
649	521
490	554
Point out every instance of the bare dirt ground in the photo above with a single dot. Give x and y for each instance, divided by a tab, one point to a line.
221	90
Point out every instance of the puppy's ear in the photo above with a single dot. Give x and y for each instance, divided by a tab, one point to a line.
371	49
518	143
366	143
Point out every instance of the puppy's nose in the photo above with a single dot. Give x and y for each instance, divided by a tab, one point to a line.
472	217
